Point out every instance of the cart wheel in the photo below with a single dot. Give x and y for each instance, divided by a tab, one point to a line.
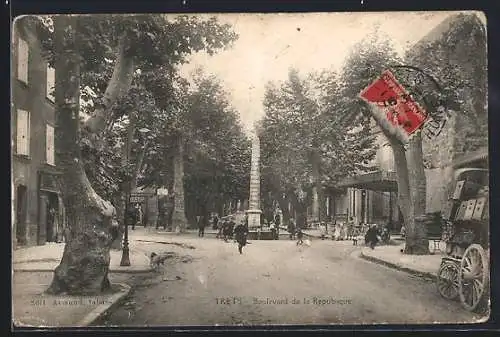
473	277
447	280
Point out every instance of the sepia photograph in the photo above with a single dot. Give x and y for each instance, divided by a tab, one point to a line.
249	169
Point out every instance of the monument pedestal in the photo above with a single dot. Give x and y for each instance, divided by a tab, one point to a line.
254	218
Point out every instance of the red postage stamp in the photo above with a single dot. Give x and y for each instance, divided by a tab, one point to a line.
400	108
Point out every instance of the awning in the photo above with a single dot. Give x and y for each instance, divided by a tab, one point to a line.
382	181
333	189
471	157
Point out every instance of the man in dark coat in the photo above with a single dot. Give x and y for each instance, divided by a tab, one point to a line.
371	236
291	228
241	233
232	225
215	222
299	235
226	229
202	222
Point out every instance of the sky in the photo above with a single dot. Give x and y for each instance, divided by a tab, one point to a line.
269	44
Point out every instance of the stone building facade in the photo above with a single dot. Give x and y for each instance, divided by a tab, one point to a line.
37	211
464	139
461	142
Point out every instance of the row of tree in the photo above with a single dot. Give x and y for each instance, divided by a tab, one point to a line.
124	117
306	144
316	129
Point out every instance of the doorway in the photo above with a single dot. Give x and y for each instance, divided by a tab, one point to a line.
21	212
52	212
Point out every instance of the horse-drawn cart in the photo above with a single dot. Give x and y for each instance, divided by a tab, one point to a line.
464	271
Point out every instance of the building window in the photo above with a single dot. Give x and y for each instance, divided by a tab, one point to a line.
50	83
22	60
49	145
23	133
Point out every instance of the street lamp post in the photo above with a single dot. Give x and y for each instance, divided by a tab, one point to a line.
125	262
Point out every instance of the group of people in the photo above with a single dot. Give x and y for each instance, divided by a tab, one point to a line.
295	231
228	229
372	234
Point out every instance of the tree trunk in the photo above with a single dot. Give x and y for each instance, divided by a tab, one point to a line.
402	178
411	182
179	220
300	210
315	161
84	266
119	85
138	165
219	206
322	205
416	234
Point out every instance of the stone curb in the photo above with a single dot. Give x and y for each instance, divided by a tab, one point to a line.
395	266
102	309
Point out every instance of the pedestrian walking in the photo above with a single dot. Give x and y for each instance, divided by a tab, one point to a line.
215	222
385	235
371	236
338	232
139	216
402	232
356	235
350	228
277	221
272	227
241	233
232	225
202	222
291	228
220	228
300	235
225	229
323	231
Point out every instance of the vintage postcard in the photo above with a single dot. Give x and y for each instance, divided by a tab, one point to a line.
250	169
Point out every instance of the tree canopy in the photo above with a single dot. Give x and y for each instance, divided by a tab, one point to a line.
305	139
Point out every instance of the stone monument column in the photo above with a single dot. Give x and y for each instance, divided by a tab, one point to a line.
254	199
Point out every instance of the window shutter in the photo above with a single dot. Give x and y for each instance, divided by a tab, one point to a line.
22	60
23	132
49	145
50	83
